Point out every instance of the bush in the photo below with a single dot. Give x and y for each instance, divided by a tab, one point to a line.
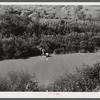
59	51
19	81
83	80
29	53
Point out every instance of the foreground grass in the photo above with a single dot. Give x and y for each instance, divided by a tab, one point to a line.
85	79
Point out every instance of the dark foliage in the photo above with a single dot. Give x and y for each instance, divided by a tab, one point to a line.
59	51
20	36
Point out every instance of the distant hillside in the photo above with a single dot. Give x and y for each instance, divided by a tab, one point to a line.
52	12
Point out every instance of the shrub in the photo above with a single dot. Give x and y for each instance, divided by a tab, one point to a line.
4	84
19	81
59	51
85	79
29	53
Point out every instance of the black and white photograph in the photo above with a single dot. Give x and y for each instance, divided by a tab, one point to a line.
49	48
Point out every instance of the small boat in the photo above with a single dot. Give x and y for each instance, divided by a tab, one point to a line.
47	55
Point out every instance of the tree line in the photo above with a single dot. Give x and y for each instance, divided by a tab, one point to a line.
21	36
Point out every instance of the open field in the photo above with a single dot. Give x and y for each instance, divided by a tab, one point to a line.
48	69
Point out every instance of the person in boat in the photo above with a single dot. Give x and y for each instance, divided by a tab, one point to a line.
43	52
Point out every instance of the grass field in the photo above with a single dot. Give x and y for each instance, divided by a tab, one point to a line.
48	69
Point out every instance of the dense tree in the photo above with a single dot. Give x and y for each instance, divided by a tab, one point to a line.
20	36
